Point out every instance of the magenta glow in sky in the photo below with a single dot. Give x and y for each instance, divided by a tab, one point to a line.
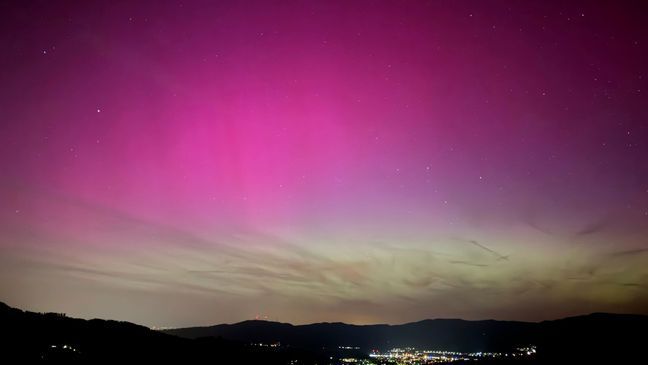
182	163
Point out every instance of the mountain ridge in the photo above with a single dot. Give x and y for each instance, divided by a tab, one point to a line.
263	321
595	336
441	333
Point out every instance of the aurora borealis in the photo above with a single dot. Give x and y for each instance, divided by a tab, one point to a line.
180	163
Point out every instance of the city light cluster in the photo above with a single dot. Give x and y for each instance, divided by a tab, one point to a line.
414	356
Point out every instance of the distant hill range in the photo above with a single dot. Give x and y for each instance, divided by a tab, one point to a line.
582	336
33	336
29	337
442	334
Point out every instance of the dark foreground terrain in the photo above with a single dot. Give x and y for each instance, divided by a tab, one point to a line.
28	337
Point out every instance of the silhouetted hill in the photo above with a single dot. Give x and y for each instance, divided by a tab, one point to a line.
596	336
28	337
447	334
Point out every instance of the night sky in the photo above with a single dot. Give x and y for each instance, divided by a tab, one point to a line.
184	163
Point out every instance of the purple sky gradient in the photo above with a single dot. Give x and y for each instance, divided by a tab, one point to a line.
180	163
